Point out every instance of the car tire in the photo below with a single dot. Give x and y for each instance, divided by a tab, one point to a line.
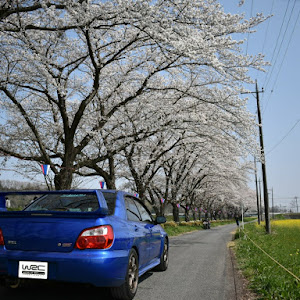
128	290
164	259
14	283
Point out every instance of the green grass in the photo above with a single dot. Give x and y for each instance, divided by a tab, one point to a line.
174	229
249	219
267	279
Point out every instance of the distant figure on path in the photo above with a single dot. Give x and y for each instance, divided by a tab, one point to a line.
237	220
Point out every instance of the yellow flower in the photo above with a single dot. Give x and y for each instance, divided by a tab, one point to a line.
287	223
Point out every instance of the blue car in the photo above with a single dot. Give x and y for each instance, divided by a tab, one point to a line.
105	238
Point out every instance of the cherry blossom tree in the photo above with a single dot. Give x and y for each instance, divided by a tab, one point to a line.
71	72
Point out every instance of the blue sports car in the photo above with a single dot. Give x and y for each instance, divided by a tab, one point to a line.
105	238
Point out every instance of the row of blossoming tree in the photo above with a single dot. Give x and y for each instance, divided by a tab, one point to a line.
139	90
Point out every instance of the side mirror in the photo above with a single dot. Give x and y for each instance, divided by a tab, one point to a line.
160	220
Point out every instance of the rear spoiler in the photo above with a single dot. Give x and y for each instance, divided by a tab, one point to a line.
103	209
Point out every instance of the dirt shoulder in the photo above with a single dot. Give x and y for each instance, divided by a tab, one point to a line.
241	290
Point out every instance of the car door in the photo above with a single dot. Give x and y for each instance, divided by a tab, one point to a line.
138	231
154	236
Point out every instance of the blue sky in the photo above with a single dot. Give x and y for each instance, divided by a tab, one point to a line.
279	40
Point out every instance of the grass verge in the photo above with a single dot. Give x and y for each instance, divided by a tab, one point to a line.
174	229
267	278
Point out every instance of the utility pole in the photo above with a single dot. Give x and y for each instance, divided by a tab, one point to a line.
263	163
261	212
257	196
296	199
273	216
263	160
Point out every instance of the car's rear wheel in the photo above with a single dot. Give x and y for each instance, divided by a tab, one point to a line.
14	283
128	290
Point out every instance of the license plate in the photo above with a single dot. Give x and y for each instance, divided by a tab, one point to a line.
33	269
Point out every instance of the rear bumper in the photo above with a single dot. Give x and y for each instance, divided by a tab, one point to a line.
104	268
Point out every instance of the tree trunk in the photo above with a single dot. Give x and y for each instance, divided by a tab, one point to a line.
162	209
175	213
186	215
194	215
63	180
157	211
111	179
110	183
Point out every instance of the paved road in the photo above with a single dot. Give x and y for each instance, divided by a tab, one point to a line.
199	268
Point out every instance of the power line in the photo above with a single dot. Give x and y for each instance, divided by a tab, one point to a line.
286	50
284	34
275	48
285	136
281	64
266	32
267	29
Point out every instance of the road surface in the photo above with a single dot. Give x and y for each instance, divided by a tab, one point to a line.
199	268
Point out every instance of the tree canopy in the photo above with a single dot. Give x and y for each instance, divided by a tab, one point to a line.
133	89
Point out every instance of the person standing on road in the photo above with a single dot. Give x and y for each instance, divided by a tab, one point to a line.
237	220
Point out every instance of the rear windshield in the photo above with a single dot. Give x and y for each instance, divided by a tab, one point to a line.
65	202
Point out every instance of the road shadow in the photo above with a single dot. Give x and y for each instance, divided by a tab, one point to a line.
59	291
145	276
183	243
56	291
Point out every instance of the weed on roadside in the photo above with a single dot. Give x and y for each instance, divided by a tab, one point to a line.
266	277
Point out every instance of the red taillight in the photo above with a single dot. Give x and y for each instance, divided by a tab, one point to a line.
1	238
100	237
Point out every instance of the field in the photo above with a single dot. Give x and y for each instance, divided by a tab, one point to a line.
267	278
